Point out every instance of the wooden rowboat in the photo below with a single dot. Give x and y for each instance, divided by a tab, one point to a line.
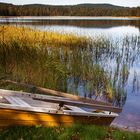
21	108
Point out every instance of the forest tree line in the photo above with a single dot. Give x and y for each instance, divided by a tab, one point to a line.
75	10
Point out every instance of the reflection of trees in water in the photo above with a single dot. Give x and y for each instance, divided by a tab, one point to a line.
78	23
99	70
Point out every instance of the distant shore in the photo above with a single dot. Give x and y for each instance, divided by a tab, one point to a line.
74	17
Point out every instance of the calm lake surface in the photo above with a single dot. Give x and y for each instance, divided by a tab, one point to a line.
120	58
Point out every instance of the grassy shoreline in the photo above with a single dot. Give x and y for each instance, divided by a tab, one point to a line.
75	132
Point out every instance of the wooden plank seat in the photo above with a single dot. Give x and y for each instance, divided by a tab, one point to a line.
16	101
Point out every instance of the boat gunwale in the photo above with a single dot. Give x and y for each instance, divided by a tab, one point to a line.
55	111
42	109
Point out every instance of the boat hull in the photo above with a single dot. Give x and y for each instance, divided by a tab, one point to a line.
10	117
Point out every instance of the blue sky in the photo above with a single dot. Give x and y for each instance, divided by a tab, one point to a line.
129	3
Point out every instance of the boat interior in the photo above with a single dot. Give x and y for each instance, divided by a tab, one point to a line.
48	104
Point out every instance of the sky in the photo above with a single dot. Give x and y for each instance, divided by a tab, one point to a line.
128	3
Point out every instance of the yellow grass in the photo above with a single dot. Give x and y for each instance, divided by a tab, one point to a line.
36	37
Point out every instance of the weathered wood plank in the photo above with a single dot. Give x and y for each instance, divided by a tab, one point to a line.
28	108
16	101
52	111
60	100
80	104
74	108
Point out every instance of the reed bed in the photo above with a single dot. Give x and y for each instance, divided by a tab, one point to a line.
28	36
64	62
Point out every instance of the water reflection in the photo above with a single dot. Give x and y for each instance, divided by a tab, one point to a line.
106	23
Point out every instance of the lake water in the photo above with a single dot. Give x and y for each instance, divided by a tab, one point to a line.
120	58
